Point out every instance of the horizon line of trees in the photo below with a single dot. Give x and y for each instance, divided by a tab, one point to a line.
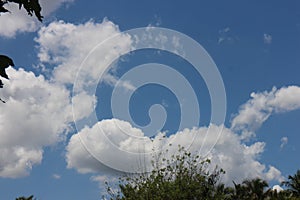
187	177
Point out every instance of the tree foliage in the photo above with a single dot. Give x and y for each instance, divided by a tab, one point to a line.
293	184
250	189
25	198
187	176
5	62
31	6
183	172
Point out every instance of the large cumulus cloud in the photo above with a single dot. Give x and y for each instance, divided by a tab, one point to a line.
37	114
90	148
42	108
262	105
239	159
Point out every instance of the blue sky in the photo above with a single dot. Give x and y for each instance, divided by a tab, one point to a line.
255	46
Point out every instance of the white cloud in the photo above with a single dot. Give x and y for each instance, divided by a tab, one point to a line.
66	46
239	160
284	141
267	38
224	30
273	174
105	181
226	36
102	179
87	105
277	188
103	142
261	105
36	114
157	21
56	176
18	21
38	111
113	81
50	6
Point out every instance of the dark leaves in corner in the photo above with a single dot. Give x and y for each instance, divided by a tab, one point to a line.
5	62
31	6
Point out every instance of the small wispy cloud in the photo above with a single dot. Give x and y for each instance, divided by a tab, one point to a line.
165	103
56	176
156	22
225	35
227	29
100	179
113	80
267	38
284	141
220	40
